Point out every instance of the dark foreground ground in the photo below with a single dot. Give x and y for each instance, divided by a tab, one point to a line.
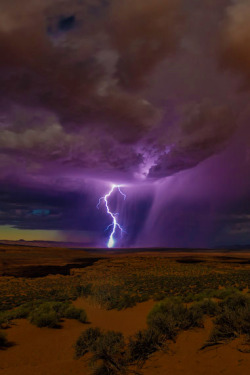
117	290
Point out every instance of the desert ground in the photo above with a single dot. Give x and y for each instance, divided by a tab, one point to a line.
117	291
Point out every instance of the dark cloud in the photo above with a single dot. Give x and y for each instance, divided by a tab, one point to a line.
143	33
118	90
67	74
34	207
71	76
203	130
235	38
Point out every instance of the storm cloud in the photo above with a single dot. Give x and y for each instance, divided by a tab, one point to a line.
86	68
117	91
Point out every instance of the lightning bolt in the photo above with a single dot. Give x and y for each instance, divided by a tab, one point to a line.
114	223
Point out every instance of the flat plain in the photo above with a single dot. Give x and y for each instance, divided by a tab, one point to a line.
121	291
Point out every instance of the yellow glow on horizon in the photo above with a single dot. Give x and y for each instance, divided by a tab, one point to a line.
9	233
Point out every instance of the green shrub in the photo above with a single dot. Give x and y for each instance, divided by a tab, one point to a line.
83	318
109	344
84	290
113	297
236	301
126	301
143	344
44	314
108	296
194	317
170	315
168	306
72	312
210	293
17	313
224	293
86	342
107	350
44	318
234	319
164	323
208	307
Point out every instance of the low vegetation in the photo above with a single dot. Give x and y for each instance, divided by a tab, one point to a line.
171	315
131	280
143	344
107	349
44	314
209	287
111	354
233	319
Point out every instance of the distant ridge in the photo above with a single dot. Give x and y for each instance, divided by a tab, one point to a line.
80	245
42	243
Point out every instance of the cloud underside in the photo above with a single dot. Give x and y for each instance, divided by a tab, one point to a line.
121	86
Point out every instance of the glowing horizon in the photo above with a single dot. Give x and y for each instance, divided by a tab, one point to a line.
10	233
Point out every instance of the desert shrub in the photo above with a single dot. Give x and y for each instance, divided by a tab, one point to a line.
107	350
236	301
210	293
198	297
108	296
234	318
44	314
47	314
165	323
227	326
194	317
225	292
84	290
82	316
43	318
114	297
108	344
170	315
58	307
167	306
86	341
20	312
126	301
208	307
3	340
72	312
17	313
143	344
65	310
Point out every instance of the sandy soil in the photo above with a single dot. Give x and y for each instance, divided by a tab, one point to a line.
126	321
185	356
44	351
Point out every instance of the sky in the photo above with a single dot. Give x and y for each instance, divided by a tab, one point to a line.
149	95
